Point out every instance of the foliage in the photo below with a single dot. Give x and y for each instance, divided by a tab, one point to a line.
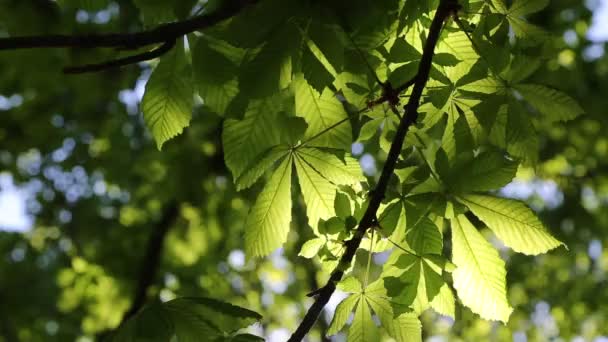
256	117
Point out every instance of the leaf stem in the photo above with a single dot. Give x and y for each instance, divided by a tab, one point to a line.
369	260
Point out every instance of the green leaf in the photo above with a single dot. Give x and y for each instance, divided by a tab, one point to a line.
444	302
267	224
480	275
261	164
405	327
520	134
416	284
525	7
349	284
553	104
168	98
489	170
155	11
311	247
363	328
273	60
319	193
342	171
188	318
424	237
342	313
445	59
403	52
513	223
342	205
244	140
243	338
322	112
215	74
369	129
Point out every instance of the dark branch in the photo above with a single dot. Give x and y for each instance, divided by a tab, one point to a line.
161	50
160	35
445	9
151	259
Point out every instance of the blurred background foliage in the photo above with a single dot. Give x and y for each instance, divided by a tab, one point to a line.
84	192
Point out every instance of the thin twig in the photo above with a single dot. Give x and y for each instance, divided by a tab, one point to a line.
446	9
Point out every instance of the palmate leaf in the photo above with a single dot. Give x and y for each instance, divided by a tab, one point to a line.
267	225
363	328
413	283
321	112
169	95
514	14
188	318
343	171
553	104
514	223
373	299
404	327
480	275
319	174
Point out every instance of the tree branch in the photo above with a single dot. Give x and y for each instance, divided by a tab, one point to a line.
164	34
445	9
159	51
151	259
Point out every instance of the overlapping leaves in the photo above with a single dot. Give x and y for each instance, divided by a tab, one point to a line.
288	89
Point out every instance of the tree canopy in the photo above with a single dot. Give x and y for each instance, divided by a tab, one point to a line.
250	170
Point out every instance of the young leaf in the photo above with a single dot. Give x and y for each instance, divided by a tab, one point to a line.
311	247
514	223
480	275
169	95
268	222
